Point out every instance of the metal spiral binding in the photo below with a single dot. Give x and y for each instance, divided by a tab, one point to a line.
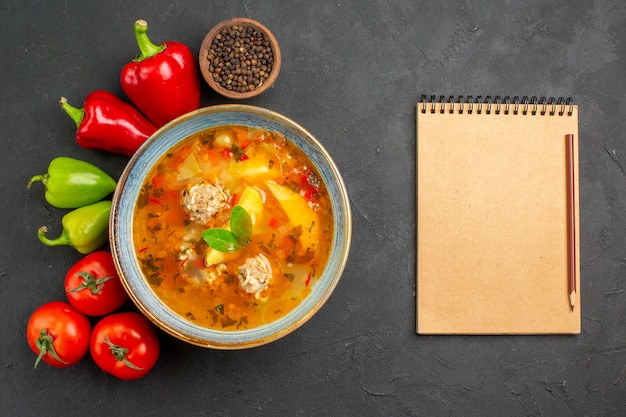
497	105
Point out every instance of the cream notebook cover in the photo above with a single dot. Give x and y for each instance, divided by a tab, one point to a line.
492	217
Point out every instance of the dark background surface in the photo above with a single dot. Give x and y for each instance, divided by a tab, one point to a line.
352	73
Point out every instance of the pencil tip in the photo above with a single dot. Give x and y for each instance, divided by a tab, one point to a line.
572	299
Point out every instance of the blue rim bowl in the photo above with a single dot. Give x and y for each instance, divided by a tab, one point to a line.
125	198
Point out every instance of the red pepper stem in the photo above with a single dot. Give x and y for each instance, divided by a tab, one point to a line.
146	47
75	114
62	240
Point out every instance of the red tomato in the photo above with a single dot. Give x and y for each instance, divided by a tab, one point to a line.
93	286
59	334
125	345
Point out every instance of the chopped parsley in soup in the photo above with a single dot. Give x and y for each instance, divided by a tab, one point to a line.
233	227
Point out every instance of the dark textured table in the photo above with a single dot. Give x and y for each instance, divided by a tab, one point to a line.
352	74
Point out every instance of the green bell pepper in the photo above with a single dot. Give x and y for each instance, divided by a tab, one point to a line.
72	183
85	228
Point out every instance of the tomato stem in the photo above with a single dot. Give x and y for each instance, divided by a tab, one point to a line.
44	344
90	282
120	353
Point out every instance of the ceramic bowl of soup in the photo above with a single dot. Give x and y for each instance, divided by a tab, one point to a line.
230	227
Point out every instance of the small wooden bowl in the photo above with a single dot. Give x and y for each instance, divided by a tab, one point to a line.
215	82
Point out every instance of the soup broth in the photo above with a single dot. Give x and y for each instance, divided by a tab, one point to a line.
196	187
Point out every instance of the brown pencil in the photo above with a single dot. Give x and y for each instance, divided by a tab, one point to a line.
571	219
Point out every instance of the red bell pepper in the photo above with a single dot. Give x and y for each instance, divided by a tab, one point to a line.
163	81
107	122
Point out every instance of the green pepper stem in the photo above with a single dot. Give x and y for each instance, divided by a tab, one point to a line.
146	47
43	178
75	114
62	240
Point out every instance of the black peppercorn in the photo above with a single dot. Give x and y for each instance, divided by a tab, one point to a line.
240	58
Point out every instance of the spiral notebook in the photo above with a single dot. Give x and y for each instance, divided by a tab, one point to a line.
497	216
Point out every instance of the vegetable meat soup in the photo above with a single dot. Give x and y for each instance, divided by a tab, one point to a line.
233	227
